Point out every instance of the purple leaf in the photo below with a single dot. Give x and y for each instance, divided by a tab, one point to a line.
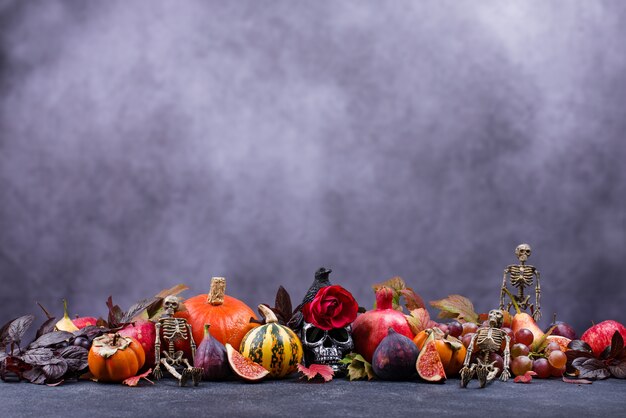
52	338
591	368
38	356
35	375
14	330
55	370
46	327
75	357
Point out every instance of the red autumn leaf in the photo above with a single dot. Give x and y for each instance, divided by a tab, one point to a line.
324	371
525	378
134	381
419	320
412	299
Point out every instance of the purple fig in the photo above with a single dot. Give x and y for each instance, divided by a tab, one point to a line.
395	357
211	357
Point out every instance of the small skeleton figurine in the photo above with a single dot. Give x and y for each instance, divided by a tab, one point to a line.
488	340
521	277
169	330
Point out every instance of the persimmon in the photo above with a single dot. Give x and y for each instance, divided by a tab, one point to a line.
450	349
114	358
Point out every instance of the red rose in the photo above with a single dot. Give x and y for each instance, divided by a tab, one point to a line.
332	307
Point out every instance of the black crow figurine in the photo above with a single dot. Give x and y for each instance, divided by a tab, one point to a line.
321	280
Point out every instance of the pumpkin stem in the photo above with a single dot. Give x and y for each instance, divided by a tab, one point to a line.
269	315
115	337
217	291
206	329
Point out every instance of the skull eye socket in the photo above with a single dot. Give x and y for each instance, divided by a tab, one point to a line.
314	335
339	334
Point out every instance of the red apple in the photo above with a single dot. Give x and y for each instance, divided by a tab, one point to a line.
84	321
599	336
143	331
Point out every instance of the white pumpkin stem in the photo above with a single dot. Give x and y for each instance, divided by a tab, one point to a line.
217	291
268	314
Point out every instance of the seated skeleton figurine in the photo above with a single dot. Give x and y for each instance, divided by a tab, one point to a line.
169	330
487	340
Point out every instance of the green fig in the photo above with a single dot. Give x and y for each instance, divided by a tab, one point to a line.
65	323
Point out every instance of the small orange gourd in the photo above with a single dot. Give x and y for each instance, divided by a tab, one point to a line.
114	358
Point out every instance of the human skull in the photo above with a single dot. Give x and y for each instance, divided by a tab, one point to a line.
522	252
171	305
326	347
496	318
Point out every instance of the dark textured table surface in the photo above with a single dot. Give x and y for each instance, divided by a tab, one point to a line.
541	398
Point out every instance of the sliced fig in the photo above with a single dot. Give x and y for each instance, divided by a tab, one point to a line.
429	365
244	367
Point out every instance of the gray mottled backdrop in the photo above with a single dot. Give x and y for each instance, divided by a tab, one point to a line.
147	143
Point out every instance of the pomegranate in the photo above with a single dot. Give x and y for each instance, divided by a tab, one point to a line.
369	329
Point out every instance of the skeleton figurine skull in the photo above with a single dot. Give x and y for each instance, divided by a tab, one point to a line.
169	330
488	339
521	276
326	347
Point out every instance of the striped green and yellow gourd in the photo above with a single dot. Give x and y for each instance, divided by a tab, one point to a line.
275	347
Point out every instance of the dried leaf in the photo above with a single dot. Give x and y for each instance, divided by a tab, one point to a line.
324	371
396	283
138	308
38	356
591	368
154	311
525	378
411	299
577	381
358	367
52	338
172	291
283	303
419	320
46	327
134	381
456	306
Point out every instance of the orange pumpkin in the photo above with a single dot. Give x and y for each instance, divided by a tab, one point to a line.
114	358
451	350
229	317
